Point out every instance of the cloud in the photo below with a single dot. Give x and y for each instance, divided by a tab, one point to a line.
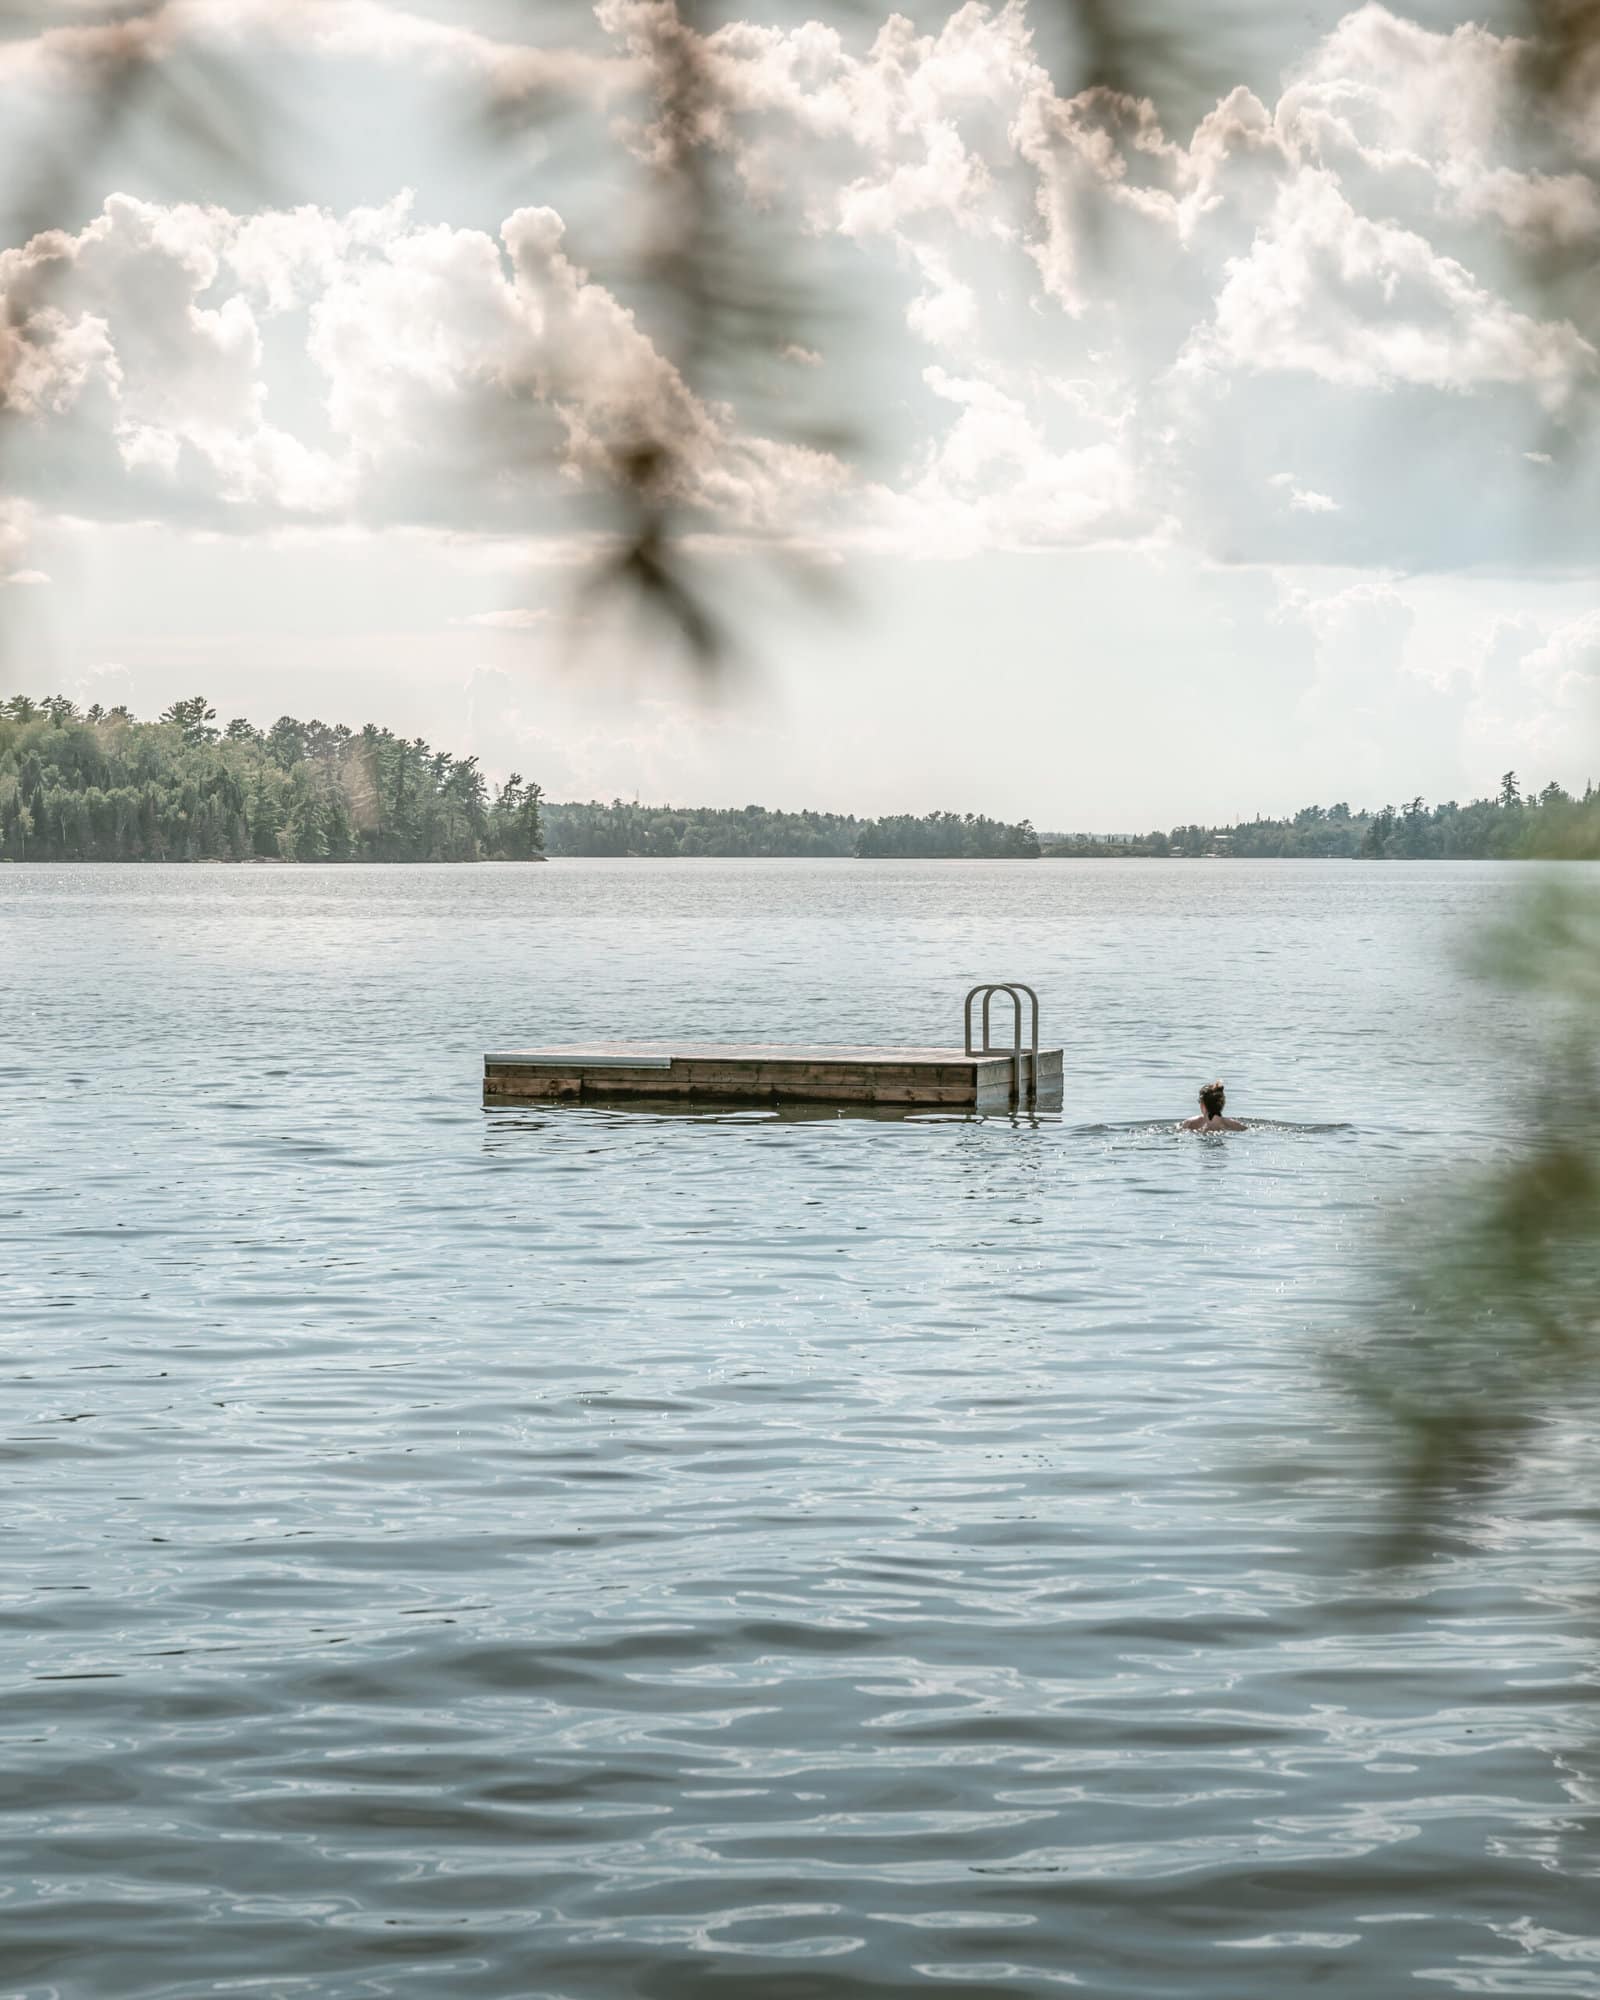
945	312
1364	693
452	368
1535	696
998	479
1362	304
1302	499
1118	333
516	620
112	685
141	354
1387	98
1354	241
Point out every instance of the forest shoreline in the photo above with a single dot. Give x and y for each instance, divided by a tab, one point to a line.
98	785
530	860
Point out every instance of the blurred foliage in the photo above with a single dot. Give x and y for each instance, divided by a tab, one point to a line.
1563	39
135	70
1488	1323
720	280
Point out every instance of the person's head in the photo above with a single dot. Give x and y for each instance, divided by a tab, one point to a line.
1212	1098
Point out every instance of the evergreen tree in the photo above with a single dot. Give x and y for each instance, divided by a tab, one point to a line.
515	823
192	718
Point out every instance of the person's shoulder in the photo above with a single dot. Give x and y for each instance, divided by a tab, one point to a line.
1192	1125
1233	1125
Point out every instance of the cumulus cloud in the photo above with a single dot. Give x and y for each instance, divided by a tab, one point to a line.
141	353
1387	98
1352	240
997	479
444	351
1535	695
1364	693
1365	304
1117	333
432	350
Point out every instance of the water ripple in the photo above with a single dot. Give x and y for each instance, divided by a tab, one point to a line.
670	1552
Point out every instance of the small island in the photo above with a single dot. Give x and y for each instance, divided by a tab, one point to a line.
759	833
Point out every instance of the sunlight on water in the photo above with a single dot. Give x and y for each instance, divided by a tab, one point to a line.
601	1551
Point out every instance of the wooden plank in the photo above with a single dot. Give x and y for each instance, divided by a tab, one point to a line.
641	1052
526	1059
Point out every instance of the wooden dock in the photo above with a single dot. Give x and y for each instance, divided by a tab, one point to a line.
953	1079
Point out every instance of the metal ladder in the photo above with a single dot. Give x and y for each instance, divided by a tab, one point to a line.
1023	1078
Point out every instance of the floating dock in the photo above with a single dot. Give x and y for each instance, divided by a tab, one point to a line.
976	1077
775	1073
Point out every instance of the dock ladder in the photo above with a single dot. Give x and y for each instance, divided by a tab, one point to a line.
1024	1061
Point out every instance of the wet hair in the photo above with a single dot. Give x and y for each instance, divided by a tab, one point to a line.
1212	1098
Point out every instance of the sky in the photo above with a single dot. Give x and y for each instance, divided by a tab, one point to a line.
1114	461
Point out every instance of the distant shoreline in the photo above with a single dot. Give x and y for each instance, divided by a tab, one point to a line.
753	860
100	786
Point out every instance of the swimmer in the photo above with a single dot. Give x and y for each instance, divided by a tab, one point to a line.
1213	1097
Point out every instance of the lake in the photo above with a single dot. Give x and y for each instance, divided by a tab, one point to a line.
596	1552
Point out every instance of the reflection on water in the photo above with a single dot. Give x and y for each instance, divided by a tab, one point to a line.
606	1551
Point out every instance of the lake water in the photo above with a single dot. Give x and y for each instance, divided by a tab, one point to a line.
603	1553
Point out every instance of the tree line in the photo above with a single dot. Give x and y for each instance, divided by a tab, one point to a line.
735	831
969	836
97	785
758	832
1508	826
